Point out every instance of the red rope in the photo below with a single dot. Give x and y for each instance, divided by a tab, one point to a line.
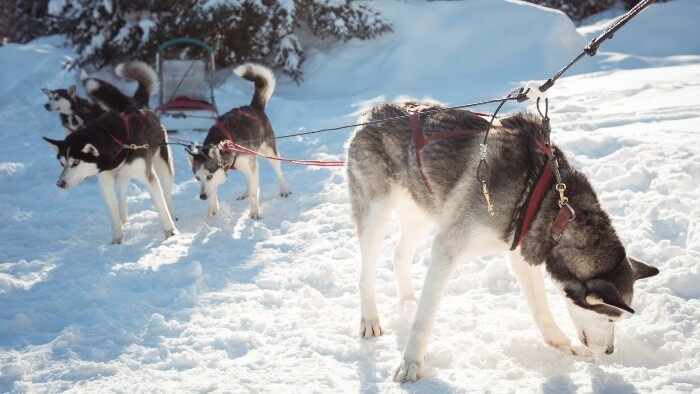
229	146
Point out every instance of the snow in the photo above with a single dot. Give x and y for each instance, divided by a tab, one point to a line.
232	305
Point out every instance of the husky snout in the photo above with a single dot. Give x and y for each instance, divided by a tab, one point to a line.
61	183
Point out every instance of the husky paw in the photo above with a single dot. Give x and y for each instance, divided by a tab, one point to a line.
574	350
408	371
255	216
285	193
211	213
117	240
242	197
370	329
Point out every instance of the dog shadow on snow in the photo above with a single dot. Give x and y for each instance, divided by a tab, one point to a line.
601	382
143	288
370	376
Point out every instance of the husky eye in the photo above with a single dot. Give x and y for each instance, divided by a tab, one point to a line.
75	163
209	177
197	178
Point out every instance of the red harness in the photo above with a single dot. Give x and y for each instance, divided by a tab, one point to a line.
127	130
224	145
544	181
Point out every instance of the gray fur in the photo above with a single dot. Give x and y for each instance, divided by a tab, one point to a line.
589	262
102	148
248	127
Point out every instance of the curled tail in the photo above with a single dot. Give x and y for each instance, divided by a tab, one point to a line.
264	82
104	94
142	73
108	97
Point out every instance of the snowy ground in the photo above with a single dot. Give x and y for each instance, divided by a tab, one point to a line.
232	305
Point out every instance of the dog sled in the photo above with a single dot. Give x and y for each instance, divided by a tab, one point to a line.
186	100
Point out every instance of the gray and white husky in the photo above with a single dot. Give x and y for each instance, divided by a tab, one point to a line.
116	147
249	127
76	112
437	185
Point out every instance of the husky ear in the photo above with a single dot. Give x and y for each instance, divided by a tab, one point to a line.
46	91
56	145
90	149
215	155
71	90
603	292
642	270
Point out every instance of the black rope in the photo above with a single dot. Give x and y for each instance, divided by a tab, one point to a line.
432	111
592	48
517	94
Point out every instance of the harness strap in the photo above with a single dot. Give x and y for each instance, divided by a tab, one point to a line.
420	141
544	181
564	216
222	147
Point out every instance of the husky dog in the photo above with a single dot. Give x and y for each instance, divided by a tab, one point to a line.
76	112
131	144
437	184
249	127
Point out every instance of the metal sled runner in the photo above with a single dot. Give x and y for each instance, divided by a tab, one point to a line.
186	98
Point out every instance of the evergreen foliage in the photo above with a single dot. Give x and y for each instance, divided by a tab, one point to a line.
266	31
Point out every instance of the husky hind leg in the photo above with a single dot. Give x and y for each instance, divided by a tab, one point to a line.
371	228
414	227
145	174
271	150
122	186
162	165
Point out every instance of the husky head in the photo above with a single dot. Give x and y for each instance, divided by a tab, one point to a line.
61	100
78	157
209	170
592	270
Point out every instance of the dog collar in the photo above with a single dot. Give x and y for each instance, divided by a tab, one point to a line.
534	201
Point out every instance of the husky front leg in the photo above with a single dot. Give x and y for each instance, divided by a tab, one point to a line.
106	181
442	266
532	285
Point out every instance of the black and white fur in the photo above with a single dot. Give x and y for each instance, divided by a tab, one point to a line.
97	150
209	165
76	112
589	264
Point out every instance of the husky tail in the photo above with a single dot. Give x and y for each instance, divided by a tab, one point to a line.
264	82
142	73
108	97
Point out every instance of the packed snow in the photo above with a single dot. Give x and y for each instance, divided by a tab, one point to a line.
235	305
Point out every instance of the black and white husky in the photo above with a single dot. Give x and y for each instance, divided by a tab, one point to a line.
249	127
116	147
432	179
76	112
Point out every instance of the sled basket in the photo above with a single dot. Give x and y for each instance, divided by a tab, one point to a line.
186	68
